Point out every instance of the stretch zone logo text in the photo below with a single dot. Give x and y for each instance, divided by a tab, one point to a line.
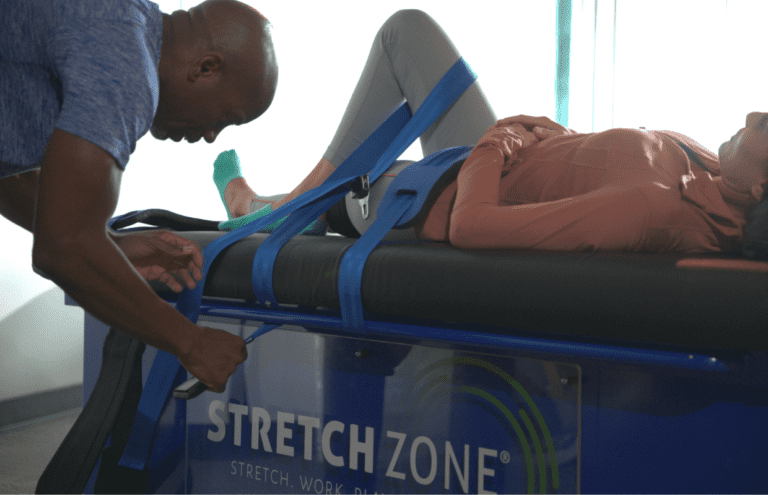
286	445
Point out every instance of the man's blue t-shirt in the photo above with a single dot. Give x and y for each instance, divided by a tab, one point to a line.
88	67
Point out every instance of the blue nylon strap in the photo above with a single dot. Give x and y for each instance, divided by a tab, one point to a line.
264	261
336	186
353	262
161	376
422	178
166	368
401	202
157	390
450	87
264	328
165	374
189	301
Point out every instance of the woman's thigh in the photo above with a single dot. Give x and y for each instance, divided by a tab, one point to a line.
410	54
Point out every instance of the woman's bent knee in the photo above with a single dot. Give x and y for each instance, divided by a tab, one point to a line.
410	25
408	18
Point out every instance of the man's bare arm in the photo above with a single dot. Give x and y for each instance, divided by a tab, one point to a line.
77	193
156	255
17	198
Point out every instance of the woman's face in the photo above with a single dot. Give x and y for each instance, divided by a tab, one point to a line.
744	158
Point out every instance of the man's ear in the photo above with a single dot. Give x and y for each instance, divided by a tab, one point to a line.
210	64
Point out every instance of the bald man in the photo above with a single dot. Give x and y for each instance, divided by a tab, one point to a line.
80	82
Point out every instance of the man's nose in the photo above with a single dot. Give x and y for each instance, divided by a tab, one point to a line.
210	136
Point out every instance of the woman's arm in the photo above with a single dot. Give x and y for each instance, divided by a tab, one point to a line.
609	218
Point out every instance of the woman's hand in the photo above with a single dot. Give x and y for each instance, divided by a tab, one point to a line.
543	127
513	134
163	256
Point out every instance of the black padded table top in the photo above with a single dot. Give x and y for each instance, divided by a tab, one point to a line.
618	296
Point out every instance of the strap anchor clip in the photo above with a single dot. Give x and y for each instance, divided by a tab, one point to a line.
360	189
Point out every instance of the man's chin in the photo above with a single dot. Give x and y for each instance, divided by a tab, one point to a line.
158	134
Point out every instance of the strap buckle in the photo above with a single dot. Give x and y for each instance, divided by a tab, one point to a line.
360	189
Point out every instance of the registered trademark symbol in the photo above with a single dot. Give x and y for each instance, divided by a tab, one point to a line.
504	457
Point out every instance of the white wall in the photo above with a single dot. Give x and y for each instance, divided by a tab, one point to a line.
321	49
42	346
321	52
41	340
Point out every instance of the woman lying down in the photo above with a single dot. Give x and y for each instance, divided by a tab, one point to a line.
530	182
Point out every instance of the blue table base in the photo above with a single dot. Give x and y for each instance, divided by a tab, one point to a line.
415	408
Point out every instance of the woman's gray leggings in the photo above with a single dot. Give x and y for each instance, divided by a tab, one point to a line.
410	54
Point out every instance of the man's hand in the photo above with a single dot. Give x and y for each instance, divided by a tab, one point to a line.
213	356
238	196
164	256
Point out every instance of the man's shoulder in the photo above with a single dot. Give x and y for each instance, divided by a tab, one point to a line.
111	87
135	11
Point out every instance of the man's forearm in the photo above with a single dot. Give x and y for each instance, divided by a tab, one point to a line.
18	194
96	274
77	192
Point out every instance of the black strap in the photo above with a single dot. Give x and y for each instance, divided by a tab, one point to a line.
163	219
436	189
338	219
109	410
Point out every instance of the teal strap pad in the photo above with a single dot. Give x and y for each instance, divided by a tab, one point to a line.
234	223
318	227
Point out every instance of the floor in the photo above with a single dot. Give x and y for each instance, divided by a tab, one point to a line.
26	448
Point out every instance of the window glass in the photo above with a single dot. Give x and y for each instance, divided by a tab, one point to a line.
692	66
